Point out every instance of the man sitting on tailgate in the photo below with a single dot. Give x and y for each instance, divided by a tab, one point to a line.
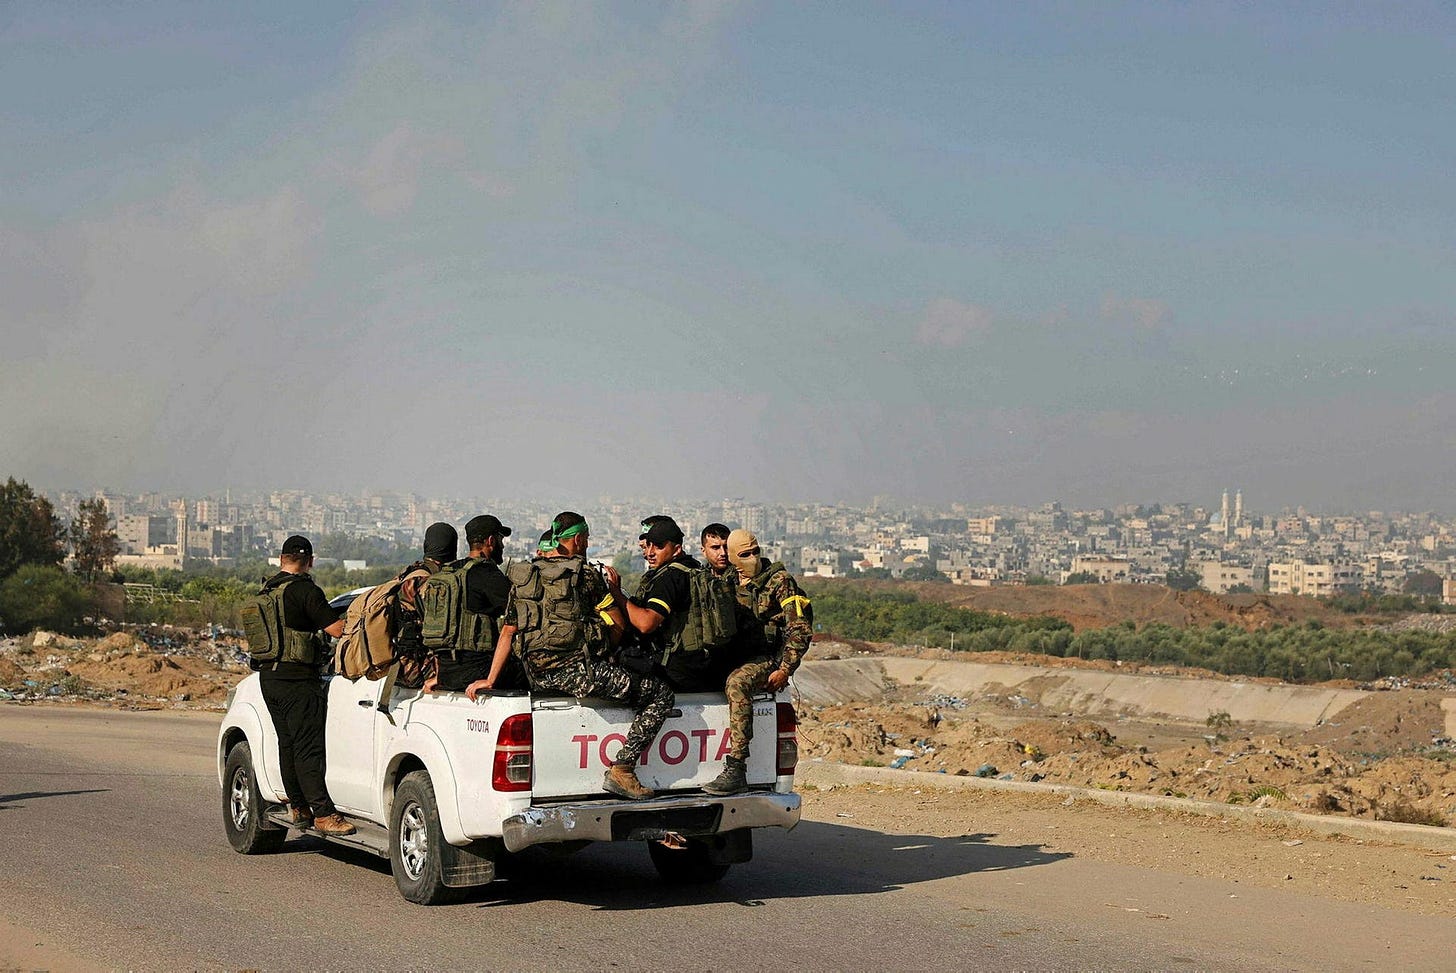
660	608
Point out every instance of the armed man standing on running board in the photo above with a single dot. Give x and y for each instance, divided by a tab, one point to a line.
289	680
781	607
567	617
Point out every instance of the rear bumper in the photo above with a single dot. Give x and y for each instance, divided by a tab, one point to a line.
613	820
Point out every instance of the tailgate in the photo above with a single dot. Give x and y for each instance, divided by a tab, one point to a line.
575	741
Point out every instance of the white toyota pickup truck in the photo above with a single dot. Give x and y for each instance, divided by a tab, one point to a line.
444	787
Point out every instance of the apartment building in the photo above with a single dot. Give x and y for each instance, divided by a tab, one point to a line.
1219	578
1319	579
1109	570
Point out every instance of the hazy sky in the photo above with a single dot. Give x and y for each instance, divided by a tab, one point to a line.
983	252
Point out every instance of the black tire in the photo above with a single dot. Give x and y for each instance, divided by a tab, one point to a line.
692	865
248	831
415	842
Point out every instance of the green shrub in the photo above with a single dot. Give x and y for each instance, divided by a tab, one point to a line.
40	596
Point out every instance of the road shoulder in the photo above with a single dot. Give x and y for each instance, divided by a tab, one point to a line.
1270	853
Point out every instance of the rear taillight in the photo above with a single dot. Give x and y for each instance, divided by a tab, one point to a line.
788	739
512	768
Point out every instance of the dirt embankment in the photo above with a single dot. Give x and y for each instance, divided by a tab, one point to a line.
140	668
1089	606
1384	757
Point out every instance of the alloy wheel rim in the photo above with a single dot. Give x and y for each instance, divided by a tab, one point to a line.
238	799
414	841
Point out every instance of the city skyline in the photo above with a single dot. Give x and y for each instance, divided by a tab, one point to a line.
1226	545
944	252
1231	503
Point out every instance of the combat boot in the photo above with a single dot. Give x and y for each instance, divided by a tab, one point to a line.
301	815
732	780
334	824
622	780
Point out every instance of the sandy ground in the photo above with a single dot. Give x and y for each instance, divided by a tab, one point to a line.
1262	855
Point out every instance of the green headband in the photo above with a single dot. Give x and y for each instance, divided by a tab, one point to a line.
572	531
546	546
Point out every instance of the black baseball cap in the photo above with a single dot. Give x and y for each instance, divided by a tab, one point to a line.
479	528
297	546
660	529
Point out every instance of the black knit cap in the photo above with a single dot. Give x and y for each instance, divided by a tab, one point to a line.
297	546
441	542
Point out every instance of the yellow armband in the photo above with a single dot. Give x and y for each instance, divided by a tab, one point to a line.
606	603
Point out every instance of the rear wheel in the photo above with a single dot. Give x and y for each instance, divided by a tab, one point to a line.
692	865
415	843
248	831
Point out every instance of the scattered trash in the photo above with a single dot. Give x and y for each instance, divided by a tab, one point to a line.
899	762
986	770
1293	844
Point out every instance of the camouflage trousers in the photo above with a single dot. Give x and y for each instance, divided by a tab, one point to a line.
648	695
749	678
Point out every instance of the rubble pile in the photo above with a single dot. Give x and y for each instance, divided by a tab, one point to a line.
1296	772
135	667
1422	622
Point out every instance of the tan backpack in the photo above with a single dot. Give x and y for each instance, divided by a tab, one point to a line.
367	646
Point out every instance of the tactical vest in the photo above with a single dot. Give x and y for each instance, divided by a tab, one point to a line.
757	599
446	621
711	619
555	624
269	640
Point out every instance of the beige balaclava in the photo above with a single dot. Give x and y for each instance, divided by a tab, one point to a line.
743	552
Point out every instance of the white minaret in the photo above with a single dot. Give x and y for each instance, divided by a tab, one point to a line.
179	511
1224	513
1239	508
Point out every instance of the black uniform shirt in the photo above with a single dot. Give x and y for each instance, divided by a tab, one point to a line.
668	592
486	589
305	609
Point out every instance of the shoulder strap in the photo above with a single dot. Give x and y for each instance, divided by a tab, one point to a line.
270	588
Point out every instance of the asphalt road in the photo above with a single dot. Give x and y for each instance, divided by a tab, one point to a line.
114	858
